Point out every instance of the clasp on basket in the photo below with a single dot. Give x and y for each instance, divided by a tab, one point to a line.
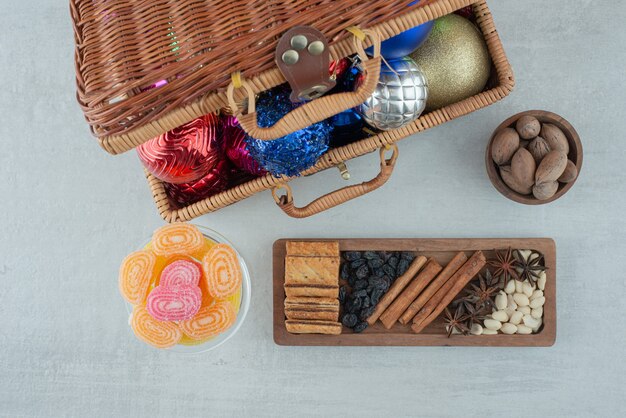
303	56
343	169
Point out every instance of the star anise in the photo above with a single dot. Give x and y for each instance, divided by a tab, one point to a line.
474	315
456	321
482	295
529	267
504	265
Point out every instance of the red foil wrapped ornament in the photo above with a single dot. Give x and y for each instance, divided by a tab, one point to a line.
217	180
185	154
234	146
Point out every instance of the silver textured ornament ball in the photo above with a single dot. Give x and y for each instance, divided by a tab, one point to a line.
400	96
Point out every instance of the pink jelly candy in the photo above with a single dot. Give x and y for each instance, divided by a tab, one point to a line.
174	303
181	273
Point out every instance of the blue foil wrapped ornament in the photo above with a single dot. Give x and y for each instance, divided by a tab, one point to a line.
347	128
406	42
291	154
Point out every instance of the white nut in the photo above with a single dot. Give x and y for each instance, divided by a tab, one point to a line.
530	322
524	254
523	329
476	329
508	328
527	288
536	294
501	300
521	299
524	309
541	282
516	318
509	289
493	324
510	302
536	303
518	286
500	316
535	329
537	313
488	331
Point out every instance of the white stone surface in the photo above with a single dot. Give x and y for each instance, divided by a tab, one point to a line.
71	213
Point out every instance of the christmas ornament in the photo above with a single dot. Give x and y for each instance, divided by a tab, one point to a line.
235	147
406	42
338	68
215	181
467	12
347	128
455	61
184	154
399	98
293	153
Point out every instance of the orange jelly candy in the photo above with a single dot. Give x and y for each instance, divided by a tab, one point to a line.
156	333
136	273
177	238
210	321
222	271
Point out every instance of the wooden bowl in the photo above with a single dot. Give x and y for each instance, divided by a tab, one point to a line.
575	155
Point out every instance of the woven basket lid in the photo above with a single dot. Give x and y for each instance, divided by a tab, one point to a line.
144	67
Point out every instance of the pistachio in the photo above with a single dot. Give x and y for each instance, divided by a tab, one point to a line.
528	127
538	148
504	145
551	167
544	191
523	168
555	137
570	173
511	181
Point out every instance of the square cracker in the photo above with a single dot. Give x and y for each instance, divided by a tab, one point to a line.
313	248
311	271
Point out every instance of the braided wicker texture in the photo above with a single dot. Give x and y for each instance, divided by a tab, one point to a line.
125	46
504	83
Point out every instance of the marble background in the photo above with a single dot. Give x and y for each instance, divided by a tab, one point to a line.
71	213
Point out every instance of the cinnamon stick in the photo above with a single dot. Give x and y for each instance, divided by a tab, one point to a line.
453	266
397	287
448	292
408	295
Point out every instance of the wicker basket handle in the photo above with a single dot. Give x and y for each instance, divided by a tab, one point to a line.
340	196
316	110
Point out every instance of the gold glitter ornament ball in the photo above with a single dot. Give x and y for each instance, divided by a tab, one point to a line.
454	60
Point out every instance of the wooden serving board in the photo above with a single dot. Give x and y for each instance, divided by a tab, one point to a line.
434	335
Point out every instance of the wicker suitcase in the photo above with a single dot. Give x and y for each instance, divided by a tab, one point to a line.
120	50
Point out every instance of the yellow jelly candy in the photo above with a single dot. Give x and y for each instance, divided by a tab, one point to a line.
209	321
136	273
177	238
156	333
222	271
